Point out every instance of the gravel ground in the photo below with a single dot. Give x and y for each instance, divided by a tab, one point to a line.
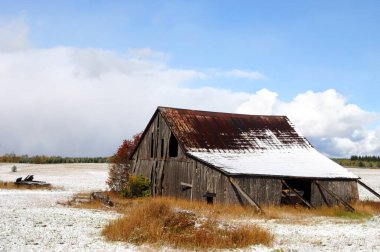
33	221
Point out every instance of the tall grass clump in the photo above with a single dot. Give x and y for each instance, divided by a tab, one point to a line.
157	222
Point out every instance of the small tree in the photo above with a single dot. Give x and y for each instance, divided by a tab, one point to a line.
120	165
14	168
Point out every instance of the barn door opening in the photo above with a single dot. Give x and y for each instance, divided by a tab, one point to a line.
296	191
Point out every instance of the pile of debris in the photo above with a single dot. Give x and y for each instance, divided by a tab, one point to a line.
87	198
28	180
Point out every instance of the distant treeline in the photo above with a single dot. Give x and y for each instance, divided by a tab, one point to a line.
12	158
365	158
359	161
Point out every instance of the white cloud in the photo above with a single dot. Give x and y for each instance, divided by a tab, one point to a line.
263	102
333	124
252	75
72	101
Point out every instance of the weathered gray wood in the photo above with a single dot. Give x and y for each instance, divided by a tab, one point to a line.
298	195
369	189
348	206
245	195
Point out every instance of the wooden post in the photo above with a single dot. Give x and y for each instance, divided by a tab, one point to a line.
298	195
245	195
348	206
369	189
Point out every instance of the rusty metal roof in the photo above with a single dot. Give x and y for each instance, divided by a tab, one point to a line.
220	132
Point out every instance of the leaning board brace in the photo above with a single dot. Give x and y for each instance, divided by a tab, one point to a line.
348	206
246	196
369	189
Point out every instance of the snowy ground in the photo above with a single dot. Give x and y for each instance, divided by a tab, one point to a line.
32	221
370	177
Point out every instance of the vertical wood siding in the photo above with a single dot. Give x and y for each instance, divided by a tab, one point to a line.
346	189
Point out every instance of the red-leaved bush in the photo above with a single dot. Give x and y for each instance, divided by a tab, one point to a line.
120	164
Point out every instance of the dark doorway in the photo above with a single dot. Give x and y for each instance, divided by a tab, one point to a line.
300	186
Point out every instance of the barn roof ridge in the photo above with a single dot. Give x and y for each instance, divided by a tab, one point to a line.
219	112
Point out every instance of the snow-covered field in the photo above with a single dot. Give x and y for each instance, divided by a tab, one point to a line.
33	221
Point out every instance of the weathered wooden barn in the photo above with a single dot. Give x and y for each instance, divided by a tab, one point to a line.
236	158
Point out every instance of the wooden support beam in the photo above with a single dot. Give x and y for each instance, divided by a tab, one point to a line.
297	194
369	189
245	195
322	195
348	206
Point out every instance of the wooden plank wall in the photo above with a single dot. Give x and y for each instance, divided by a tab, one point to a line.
346	189
265	191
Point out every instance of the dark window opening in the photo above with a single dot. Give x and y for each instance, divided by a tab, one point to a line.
301	186
173	146
152	146
162	148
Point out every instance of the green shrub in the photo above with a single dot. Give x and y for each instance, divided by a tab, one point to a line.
14	168
137	186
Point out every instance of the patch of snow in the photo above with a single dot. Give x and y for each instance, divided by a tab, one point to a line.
320	234
73	177
295	162
33	221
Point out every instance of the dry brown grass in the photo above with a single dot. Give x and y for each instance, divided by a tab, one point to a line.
14	186
197	225
156	221
368	207
364	209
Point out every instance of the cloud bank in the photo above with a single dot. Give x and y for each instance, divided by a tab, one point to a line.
83	101
333	125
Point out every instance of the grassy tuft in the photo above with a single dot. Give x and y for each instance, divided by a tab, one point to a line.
156	221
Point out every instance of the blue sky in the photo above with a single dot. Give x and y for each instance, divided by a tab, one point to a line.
295	46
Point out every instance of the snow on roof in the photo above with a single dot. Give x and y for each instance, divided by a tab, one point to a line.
249	144
290	163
